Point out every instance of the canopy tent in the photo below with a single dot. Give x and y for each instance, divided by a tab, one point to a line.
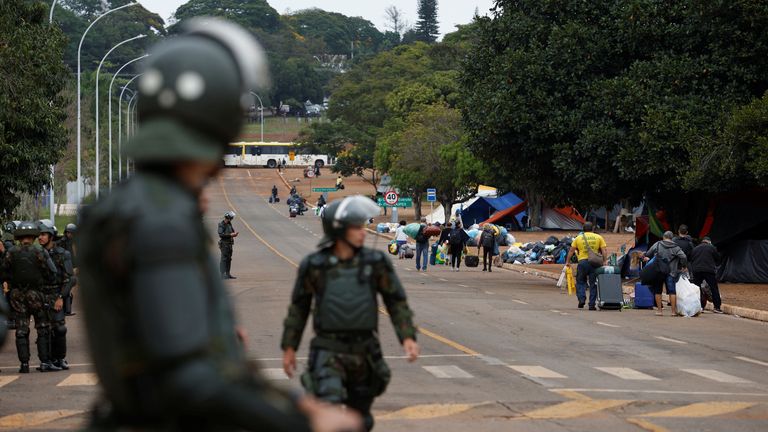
486	191
483	208
561	218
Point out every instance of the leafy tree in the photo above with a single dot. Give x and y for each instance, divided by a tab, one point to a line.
250	14
32	135
592	102
336	31
427	27
396	22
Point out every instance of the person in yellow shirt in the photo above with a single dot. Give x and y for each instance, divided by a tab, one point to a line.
585	272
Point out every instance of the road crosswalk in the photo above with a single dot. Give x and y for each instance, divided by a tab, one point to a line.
465	371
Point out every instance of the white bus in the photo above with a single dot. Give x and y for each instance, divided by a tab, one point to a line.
269	154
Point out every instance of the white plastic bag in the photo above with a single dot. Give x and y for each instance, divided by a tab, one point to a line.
688	297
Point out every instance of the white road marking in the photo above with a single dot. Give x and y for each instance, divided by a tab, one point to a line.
673	340
717	376
663	392
749	360
447	372
554	311
564	313
249	173
627	373
409	269
493	361
606	324
5	380
79	379
274	374
463	286
519	301
489	292
443	280
537	371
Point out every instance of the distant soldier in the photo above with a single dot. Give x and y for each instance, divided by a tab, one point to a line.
5	245
160	325
227	236
346	365
68	243
57	291
28	269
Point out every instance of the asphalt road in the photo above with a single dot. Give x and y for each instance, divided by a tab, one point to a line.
501	351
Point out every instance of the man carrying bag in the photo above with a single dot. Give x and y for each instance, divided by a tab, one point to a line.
584	246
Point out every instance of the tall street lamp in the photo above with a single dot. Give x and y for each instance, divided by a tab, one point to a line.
79	49
98	71
131	125
51	200
120	119
119	150
262	115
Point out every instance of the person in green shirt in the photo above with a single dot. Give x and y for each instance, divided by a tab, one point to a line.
585	272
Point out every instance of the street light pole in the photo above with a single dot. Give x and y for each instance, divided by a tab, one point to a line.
120	120
131	126
98	71
262	115
51	198
79	49
119	150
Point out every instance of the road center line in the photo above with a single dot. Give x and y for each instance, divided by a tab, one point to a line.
749	360
519	301
606	324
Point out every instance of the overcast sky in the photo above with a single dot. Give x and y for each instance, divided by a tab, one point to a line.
451	12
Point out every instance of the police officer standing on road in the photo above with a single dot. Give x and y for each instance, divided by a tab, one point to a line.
160	325
5	245
68	243
227	236
346	365
28	269
57	292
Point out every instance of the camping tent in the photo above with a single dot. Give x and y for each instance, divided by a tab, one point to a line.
483	208
561	218
439	214
509	216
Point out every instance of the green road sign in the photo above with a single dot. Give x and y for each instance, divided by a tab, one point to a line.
330	189
402	202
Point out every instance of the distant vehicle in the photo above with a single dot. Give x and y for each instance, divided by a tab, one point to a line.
270	154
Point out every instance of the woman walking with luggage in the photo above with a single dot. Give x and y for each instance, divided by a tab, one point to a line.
675	263
457	240
401	238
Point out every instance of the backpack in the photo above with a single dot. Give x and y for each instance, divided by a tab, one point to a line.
487	240
455	239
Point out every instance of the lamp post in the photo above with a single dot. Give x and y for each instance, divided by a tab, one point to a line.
119	150
120	119
120	136
79	49
262	115
131	125
51	199
98	71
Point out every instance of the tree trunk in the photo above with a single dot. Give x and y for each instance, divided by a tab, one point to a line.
534	208
417	204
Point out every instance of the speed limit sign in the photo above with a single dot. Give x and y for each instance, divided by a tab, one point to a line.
391	198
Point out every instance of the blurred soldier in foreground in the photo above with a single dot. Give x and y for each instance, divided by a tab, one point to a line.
346	365
160	325
28	269
56	292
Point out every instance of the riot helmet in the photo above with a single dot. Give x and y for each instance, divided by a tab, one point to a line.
229	215
70	228
9	227
47	226
341	214
26	229
194	90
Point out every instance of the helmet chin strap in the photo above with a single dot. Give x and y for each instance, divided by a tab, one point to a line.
355	249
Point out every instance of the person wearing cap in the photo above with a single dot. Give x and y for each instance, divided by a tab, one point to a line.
704	261
161	328
227	236
28	269
343	280
57	291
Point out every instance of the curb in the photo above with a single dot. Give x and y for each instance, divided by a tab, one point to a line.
737	311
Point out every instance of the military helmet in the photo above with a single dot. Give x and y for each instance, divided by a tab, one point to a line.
194	90
340	214
70	228
47	226
9	227
26	229
229	215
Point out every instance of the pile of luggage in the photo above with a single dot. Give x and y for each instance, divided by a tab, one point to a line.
551	251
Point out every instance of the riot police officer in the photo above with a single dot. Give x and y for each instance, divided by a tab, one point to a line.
344	278
159	322
68	243
57	291
5	245
28	269
227	236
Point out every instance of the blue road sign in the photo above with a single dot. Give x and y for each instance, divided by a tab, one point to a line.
431	195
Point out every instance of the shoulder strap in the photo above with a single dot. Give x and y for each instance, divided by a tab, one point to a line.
586	241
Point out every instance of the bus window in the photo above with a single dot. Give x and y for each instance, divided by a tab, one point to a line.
234	150
255	151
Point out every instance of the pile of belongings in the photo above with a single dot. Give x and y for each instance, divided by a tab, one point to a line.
551	251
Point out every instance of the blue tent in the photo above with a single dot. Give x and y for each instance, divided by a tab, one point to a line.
484	208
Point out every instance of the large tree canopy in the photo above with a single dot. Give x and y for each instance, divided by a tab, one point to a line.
591	102
32	135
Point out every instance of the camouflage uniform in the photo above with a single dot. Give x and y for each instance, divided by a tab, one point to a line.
346	364
60	290
226	246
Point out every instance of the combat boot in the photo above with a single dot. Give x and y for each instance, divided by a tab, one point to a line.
61	364
24	368
48	367
229	276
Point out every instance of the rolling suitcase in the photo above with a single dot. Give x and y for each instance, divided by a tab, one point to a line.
408	252
609	293
644	298
471	260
